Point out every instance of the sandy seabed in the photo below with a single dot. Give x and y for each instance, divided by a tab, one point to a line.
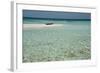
59	43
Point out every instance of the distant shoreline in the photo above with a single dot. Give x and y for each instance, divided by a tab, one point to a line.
37	26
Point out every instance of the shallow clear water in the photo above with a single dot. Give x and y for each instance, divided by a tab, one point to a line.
68	42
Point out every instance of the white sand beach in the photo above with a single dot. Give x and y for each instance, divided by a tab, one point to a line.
37	26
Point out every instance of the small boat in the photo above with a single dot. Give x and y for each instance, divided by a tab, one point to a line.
49	23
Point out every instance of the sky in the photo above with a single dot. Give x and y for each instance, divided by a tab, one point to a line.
55	14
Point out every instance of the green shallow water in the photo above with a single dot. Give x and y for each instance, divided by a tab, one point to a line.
68	42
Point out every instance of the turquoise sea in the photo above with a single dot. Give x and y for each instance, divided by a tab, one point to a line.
72	41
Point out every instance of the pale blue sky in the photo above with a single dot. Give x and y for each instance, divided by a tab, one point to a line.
55	15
